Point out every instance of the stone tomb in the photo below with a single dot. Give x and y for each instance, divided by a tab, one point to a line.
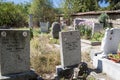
14	52
70	48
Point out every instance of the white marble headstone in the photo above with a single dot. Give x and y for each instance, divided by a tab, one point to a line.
70	48
110	41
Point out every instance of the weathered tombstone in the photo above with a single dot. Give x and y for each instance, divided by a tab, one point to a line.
70	48
44	26
97	28
110	41
30	20
56	28
15	54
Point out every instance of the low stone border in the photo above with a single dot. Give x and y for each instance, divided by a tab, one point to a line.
107	66
91	43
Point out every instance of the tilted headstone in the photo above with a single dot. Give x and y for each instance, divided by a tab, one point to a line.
70	48
44	26
110	41
56	28
14	52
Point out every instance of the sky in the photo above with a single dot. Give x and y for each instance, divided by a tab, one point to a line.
103	4
56	3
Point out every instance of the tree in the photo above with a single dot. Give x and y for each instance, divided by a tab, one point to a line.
114	4
103	18
12	15
42	10
73	6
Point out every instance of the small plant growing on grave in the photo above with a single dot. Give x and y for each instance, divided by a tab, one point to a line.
114	57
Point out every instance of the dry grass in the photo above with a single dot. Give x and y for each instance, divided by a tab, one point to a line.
44	55
86	58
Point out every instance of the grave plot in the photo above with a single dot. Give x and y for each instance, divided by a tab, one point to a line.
70	53
109	47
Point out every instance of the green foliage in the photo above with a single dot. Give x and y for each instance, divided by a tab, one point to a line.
54	41
12	15
114	56
114	4
103	19
85	31
97	36
42	10
36	32
73	6
31	33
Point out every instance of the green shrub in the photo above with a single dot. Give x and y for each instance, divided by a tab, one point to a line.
85	31
36	32
103	18
97	36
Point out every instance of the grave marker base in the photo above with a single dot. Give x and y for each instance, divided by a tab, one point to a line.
107	66
29	75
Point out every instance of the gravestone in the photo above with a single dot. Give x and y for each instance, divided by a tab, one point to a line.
97	28
44	26
70	48
15	53
110	41
56	28
30	20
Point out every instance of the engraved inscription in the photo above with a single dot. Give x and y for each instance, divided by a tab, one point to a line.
12	45
71	45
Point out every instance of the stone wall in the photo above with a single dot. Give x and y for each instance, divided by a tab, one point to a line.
93	16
